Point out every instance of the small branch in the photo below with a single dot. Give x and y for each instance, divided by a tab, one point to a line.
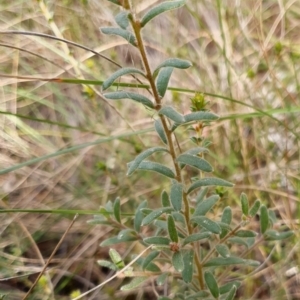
50	258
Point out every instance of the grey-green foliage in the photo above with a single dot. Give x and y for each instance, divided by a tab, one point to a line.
186	219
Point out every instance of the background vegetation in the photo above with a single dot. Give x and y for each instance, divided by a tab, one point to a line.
64	148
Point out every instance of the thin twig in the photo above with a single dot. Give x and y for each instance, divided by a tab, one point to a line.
50	258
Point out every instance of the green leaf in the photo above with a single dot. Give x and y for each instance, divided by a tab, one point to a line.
238	240
245	233
107	264
264	219
129	95
177	261
172	230
128	36
223	250
122	19
115	2
273	235
197	296
139	216
229	261
176	196
121	72
196	151
172	114
157	240
135	282
200	116
116	240
116	258
209	181
174	63
165	201
159	9
156	167
205	206
207	224
132	166
160	280
202	193
226	219
228	286
160	130
187	273
211	284
231	293
254	208
178	217
150	258
244	204
196	237
155	214
126	232
195	161
162	80
117	210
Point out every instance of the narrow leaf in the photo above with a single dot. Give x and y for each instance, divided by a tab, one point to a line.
176	196
172	114
246	233
197	296
159	9
149	258
244	204
117	210
209	181
264	219
221	261
107	264
135	282
124	71
231	293
174	63
205	206
172	230
116	258
139	216
196	237
122	19
129	95
223	250
211	284
195	161
132	166
160	130
200	116
128	36
238	240
228	286
196	151
226	219
177	261
157	240
156	167
162	80
116	2
254	208
165	201
116	240
160	280
187	273
207	224
155	214
273	235
202	193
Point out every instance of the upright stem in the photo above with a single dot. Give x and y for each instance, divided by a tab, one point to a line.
169	135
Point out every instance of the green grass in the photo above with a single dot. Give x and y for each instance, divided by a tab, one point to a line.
64	148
